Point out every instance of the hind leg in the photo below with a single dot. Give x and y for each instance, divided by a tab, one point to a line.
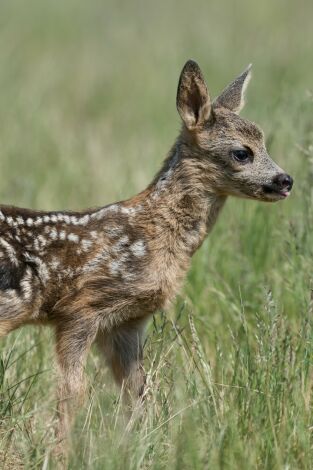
122	348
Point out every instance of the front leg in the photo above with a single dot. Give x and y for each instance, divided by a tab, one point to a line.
74	336
122	348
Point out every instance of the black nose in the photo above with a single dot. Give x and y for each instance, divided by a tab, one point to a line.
283	181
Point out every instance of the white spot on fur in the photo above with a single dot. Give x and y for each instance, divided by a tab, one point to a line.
53	234
72	237
26	284
36	244
84	220
46	219
55	263
9	220
94	234
113	208
62	235
2	217
101	212
119	245
20	220
38	221
41	267
138	248
42	240
54	218
117	265
29	222
10	251
130	210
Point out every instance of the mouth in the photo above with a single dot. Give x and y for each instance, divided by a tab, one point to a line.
275	194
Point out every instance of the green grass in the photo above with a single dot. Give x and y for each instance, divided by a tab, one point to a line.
87	113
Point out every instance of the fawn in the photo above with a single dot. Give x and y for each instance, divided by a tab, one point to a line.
98	275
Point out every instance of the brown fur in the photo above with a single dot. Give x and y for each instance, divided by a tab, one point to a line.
100	274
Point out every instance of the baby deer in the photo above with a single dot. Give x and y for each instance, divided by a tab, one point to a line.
100	274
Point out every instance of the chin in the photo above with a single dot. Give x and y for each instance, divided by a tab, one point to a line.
273	197
265	196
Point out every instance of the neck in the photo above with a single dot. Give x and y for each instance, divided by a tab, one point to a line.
183	203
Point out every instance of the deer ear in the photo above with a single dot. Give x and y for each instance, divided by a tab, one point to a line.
193	101
232	97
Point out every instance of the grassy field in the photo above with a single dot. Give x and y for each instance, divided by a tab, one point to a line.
87	113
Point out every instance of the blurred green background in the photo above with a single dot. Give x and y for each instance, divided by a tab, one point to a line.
87	114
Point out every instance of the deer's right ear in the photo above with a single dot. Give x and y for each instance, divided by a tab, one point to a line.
193	100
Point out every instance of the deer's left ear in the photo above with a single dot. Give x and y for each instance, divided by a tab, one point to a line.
193	100
233	96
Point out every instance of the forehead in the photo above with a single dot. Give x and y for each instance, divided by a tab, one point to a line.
230	122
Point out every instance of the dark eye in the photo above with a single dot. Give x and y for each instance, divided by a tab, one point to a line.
242	155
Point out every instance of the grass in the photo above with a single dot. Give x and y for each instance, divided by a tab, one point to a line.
87	113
